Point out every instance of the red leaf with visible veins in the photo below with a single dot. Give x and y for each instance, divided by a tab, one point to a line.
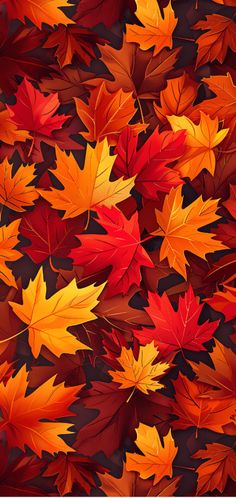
120	248
48	233
150	161
176	330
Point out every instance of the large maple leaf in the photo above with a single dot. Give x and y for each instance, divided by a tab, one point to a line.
15	191
48	319
220	465
48	233
201	139
8	241
157	458
180	228
139	373
22	414
221	35
44	11
86	189
148	163
157	30
184	90
176	330
120	243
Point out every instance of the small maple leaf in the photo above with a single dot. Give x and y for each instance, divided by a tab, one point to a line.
9	132
157	30
200	140
180	228
106	114
15	192
221	35
176	330
42	11
220	465
120	243
22	415
8	240
184	90
157	458
48	319
140	373
86	189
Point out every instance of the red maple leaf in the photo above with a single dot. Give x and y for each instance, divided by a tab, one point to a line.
99	11
176	330
119	248
149	162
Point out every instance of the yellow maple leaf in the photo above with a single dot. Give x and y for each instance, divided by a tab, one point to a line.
8	130
15	192
48	319
8	240
180	228
200	140
88	188
157	459
157	30
140	373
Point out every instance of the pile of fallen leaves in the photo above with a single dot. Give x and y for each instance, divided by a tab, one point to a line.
117	247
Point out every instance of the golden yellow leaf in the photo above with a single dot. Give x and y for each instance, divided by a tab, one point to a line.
88	188
200	141
157	30
48	319
8	130
157	459
15	192
180	228
140	373
8	240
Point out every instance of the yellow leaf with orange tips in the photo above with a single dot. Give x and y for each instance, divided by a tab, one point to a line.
141	373
88	188
15	192
200	142
48	319
158	28
107	114
8	240
9	132
180	228
157	458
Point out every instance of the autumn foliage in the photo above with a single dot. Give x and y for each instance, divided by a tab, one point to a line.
118	248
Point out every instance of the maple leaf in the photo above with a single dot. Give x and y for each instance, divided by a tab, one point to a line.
221	35
48	319
86	189
224	302
221	380
139	373
72	40
157	458
44	11
176	330
109	428
184	90
130	484
15	192
101	251
48	233
14	55
22	415
15	476
136	71
177	223
106	114
230	203
148	163
8	130
8	241
200	140
99	11
157	30
194	410
220	464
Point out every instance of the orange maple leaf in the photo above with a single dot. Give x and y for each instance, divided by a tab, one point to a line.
42	11
213	45
177	98
221	464
15	192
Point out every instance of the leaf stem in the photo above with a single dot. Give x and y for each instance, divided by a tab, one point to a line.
141	111
88	219
52	265
13	336
131	394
